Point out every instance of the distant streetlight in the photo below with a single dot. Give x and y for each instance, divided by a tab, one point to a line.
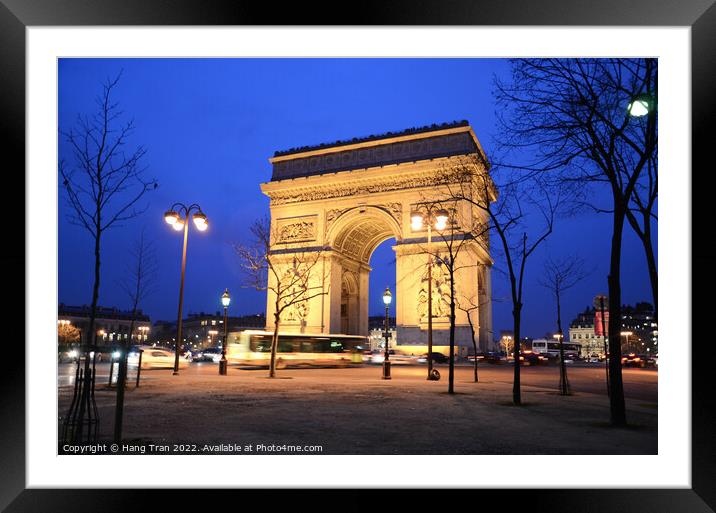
225	300
174	218
143	332
387	298
439	219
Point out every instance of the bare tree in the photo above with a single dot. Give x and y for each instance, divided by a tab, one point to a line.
574	115
292	277
67	334
104	185
520	198
468	306
141	274
558	277
460	231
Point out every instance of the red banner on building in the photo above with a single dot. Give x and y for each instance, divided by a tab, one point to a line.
598	322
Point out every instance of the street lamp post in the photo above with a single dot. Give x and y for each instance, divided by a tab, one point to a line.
626	334
173	217
563	383
387	298
225	300
439	218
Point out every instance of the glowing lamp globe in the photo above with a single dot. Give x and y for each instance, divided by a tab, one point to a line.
225	298
171	217
441	219
416	221
640	106
200	221
387	296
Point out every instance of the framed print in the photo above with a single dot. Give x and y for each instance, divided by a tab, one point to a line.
423	244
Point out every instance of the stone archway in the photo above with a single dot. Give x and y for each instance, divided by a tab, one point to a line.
345	199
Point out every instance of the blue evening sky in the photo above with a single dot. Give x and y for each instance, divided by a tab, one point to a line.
210	125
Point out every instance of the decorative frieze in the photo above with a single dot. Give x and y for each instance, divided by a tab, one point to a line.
358	188
296	229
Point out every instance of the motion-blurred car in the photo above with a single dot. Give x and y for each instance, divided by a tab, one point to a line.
532	358
393	357
437	358
210	354
495	357
154	358
633	360
70	354
480	357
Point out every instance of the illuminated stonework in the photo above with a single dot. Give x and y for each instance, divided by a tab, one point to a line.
345	200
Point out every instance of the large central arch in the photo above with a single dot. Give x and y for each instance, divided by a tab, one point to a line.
353	237
341	201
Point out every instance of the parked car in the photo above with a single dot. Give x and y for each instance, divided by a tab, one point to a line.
480	357
154	358
437	358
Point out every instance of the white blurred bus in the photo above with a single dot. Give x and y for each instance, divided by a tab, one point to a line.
550	349
253	347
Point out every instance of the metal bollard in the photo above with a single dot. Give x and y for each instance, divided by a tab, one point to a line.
111	370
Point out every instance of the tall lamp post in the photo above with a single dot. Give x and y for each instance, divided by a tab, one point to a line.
387	298
439	219
225	300
174	218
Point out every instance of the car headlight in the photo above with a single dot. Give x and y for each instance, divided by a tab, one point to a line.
73	354
115	355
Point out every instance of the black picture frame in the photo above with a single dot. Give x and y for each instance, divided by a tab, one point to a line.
699	15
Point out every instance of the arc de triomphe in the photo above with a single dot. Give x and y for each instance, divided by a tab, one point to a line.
343	200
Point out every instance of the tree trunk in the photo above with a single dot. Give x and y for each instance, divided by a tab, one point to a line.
274	343
646	241
451	373
516	315
616	387
474	344
563	384
651	265
91	340
121	382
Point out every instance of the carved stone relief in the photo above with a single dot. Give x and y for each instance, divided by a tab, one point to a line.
440	293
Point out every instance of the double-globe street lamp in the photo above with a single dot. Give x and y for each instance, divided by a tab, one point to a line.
174	218
439	219
387	298
225	300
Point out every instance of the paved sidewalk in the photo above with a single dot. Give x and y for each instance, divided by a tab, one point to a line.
353	411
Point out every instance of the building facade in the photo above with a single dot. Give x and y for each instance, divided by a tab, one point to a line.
202	330
111	324
638	327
